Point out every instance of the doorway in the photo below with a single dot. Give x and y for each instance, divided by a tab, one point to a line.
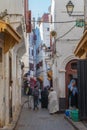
71	73
10	88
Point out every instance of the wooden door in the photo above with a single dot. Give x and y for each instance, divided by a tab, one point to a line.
82	87
71	73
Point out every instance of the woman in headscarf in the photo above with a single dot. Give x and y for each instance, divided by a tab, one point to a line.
53	101
73	94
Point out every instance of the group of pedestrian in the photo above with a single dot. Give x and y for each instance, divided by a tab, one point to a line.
49	100
46	97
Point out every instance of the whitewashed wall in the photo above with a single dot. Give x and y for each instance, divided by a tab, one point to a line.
66	44
15	8
45	37
12	6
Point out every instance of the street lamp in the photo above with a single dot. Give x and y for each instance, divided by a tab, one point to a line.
80	20
69	7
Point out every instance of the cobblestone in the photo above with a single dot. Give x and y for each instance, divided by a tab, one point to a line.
41	120
77	125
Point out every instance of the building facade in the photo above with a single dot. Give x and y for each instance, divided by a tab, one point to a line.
64	43
42	49
12	48
32	55
81	53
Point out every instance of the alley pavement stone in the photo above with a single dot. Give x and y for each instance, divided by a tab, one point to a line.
41	120
77	125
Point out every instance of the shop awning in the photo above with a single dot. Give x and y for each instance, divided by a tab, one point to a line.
11	37
82	46
49	73
40	78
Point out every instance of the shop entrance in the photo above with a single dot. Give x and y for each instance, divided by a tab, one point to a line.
71	73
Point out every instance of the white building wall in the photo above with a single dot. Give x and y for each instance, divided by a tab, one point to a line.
13	7
14	86
45	37
6	88
25	57
15	13
65	49
2	93
31	48
66	40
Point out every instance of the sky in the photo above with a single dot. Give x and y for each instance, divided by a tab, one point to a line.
39	7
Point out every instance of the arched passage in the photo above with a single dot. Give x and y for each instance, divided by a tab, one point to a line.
71	72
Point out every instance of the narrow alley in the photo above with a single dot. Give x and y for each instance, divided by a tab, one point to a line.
41	120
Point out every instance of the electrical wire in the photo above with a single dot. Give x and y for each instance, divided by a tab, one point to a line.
65	33
53	22
56	40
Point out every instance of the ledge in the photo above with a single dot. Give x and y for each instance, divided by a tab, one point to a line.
77	125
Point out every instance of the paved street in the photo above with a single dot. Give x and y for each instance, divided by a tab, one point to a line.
41	120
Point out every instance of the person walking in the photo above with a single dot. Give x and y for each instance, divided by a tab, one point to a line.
44	98
39	95
53	101
35	97
30	97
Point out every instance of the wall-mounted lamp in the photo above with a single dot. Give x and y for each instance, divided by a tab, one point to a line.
70	7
